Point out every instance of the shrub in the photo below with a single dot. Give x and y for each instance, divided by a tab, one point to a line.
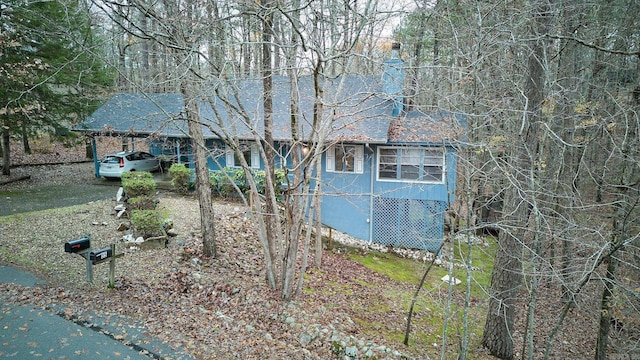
180	177
144	202
138	183
147	223
222	180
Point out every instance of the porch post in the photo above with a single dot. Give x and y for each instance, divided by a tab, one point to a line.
96	161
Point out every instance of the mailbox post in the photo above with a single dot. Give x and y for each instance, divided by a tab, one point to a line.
82	247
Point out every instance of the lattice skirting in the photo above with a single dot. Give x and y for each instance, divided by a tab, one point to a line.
408	223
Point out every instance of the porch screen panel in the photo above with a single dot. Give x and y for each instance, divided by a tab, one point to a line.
416	224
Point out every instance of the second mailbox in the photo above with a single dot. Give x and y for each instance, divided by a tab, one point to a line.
100	255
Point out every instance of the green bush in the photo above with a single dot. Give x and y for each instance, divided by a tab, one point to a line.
180	177
138	183
147	223
222	180
142	203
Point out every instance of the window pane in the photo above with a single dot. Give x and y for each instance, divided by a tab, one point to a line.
410	172
345	158
432	173
388	168
246	154
411	156
388	172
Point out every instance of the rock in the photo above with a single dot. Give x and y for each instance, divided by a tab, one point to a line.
119	194
127	238
157	242
139	240
451	280
196	261
351	351
172	232
123	226
304	339
119	207
197	277
120	213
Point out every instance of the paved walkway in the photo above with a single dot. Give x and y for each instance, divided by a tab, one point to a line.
27	332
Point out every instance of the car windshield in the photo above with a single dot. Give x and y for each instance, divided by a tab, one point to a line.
111	160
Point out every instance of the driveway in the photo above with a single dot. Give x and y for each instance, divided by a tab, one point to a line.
31	332
52	196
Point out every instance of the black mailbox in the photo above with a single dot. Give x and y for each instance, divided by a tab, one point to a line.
100	255
78	245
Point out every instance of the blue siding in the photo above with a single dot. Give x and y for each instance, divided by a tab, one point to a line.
401	214
346	199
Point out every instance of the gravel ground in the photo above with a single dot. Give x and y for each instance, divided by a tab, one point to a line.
214	308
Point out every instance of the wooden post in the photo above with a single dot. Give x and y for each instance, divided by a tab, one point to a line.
112	267
89	265
330	239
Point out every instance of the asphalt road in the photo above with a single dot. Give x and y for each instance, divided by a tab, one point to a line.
28	332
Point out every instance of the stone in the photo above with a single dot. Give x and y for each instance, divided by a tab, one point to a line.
172	232
119	194
351	351
451	280
119	207
304	339
197	277
123	226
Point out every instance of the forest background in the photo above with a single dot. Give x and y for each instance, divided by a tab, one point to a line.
550	90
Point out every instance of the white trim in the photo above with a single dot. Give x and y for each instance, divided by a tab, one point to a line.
331	159
229	156
231	159
358	160
255	156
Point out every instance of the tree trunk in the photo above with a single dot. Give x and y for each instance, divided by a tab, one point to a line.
203	188
267	89
6	153
25	140
505	288
506	279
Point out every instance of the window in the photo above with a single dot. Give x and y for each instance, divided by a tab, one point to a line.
411	164
345	158
249	152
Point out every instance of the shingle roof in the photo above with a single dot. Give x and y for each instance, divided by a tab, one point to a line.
359	112
417	127
137	113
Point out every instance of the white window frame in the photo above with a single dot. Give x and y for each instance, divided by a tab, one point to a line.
358	159
411	157
231	158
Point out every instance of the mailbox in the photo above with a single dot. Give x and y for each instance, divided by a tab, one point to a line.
77	245
100	255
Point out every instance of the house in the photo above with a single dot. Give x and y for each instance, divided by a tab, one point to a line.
388	175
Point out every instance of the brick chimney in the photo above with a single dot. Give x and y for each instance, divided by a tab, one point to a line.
393	79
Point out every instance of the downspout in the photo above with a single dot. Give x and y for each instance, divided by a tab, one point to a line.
371	177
